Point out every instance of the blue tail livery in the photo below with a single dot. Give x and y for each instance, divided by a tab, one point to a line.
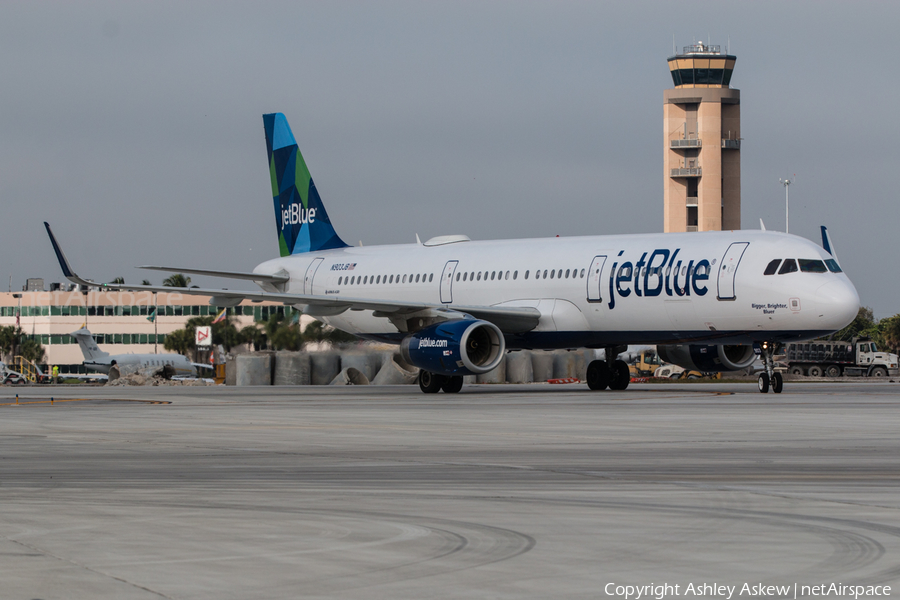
300	218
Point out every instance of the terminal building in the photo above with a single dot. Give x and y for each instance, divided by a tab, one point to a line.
702	142
121	322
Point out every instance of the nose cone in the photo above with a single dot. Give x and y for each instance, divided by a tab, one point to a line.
838	303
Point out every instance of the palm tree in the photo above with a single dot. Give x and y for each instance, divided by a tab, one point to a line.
32	350
177	280
180	341
9	339
146	282
118	280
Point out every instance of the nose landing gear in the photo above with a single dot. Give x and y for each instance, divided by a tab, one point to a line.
769	376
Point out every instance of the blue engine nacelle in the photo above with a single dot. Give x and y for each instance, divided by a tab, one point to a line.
708	358
461	347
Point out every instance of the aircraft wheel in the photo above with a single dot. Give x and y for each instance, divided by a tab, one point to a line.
430	383
763	383
621	376
833	371
598	376
777	383
453	384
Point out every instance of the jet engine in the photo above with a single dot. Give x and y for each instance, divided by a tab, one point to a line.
708	358
459	347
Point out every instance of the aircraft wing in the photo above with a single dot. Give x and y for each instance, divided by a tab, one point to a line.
508	319
278	278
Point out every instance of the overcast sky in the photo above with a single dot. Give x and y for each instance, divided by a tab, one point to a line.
135	128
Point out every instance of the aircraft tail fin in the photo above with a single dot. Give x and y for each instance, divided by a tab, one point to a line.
88	346
827	244
300	217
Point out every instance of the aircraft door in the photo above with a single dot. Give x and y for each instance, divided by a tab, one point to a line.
728	268
447	281
593	279
310	275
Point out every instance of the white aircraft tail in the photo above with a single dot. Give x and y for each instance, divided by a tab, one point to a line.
89	347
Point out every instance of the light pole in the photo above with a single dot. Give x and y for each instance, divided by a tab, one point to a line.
786	183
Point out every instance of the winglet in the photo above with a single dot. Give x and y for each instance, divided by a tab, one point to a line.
762	225
63	262
826	243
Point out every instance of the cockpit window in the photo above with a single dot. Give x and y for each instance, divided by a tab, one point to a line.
772	267
833	266
789	266
809	265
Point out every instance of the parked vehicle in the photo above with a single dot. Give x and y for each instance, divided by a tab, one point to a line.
859	357
644	364
10	377
676	372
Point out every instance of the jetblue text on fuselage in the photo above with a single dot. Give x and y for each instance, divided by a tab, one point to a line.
295	213
663	273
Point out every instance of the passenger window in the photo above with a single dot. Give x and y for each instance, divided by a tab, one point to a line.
492	275
404	279
552	273
507	275
567	273
526	274
833	266
417	277
464	276
789	266
515	274
537	274
808	265
683	271
772	267
458	276
545	273
339	280
430	277
478	277
582	274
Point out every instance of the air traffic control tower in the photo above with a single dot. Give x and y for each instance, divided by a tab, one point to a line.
702	119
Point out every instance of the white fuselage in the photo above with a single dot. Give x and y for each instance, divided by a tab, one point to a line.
593	291
179	362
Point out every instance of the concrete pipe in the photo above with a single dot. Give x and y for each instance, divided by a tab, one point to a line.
365	362
496	375
564	365
324	366
254	369
541	366
518	367
350	376
230	370
395	371
291	368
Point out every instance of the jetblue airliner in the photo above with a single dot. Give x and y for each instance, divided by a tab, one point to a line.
710	301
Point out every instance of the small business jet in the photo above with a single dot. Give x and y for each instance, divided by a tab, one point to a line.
96	359
709	301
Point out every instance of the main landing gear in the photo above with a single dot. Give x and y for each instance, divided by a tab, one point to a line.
432	383
769	376
609	373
